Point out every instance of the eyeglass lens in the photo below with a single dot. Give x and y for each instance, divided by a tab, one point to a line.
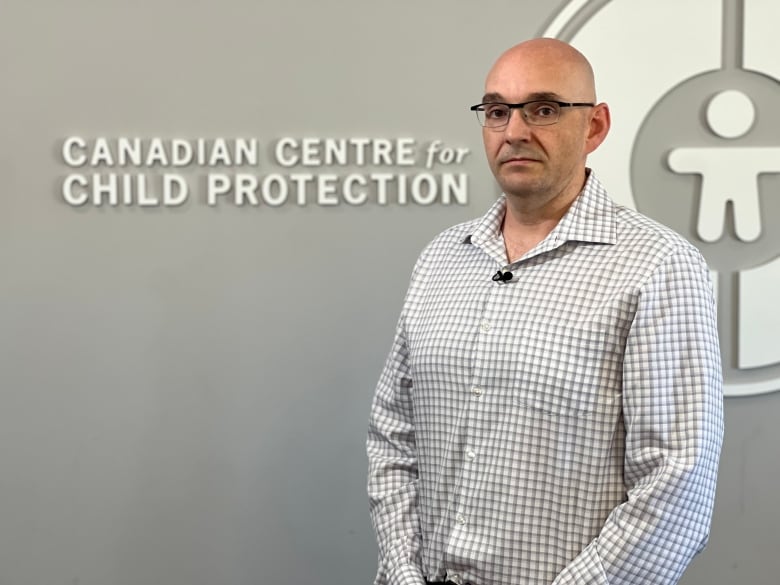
537	113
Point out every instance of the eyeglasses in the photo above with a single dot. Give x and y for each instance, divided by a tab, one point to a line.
536	112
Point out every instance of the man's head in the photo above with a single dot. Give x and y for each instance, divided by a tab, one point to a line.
543	162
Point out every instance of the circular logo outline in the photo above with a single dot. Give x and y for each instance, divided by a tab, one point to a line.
565	24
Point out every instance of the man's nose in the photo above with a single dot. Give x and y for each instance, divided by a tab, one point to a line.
517	128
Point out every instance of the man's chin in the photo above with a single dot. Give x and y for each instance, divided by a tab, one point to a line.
527	188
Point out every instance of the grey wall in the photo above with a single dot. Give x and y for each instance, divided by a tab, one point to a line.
184	391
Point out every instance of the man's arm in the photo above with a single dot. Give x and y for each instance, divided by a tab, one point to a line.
673	414
392	474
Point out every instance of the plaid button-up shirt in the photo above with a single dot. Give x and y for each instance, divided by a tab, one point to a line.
561	427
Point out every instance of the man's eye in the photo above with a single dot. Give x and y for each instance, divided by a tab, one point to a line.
495	112
545	110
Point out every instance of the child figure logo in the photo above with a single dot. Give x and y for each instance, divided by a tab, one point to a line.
695	146
729	175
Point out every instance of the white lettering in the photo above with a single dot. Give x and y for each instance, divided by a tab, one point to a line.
68	155
219	153
201	155
216	184
381	186
326	189
246	152
454	186
382	148
181	152
279	154
424	196
336	152
156	153
145	199
447	156
310	152
101	154
107	188
281	190
172	184
402	190
301	181
405	155
246	185
348	190
360	150
129	150
127	189
433	147
75	199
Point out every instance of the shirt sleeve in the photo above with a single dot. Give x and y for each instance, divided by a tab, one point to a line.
673	414
392	475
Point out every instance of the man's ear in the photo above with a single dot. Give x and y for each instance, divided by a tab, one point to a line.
598	127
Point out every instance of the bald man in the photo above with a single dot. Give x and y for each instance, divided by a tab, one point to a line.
551	408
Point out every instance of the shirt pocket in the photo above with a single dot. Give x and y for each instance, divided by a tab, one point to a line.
568	370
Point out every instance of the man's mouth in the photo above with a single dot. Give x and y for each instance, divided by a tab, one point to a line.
519	160
518	157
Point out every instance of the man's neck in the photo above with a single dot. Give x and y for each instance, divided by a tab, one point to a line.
528	221
522	236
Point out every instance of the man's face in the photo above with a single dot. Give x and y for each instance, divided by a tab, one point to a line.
538	161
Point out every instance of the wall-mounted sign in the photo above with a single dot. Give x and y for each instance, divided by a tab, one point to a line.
153	172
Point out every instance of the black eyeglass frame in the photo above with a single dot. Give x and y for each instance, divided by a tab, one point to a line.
481	108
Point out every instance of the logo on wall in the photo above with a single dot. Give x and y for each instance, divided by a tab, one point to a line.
694	103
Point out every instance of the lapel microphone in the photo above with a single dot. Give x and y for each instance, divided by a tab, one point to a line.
502	276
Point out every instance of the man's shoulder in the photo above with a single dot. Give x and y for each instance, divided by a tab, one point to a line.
638	230
634	230
453	235
447	244
458	233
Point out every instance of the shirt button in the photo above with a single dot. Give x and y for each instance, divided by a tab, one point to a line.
485	325
476	391
460	519
470	454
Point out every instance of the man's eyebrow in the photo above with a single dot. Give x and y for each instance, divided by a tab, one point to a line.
544	95
493	97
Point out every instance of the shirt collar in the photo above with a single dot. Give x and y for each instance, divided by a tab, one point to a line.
591	218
